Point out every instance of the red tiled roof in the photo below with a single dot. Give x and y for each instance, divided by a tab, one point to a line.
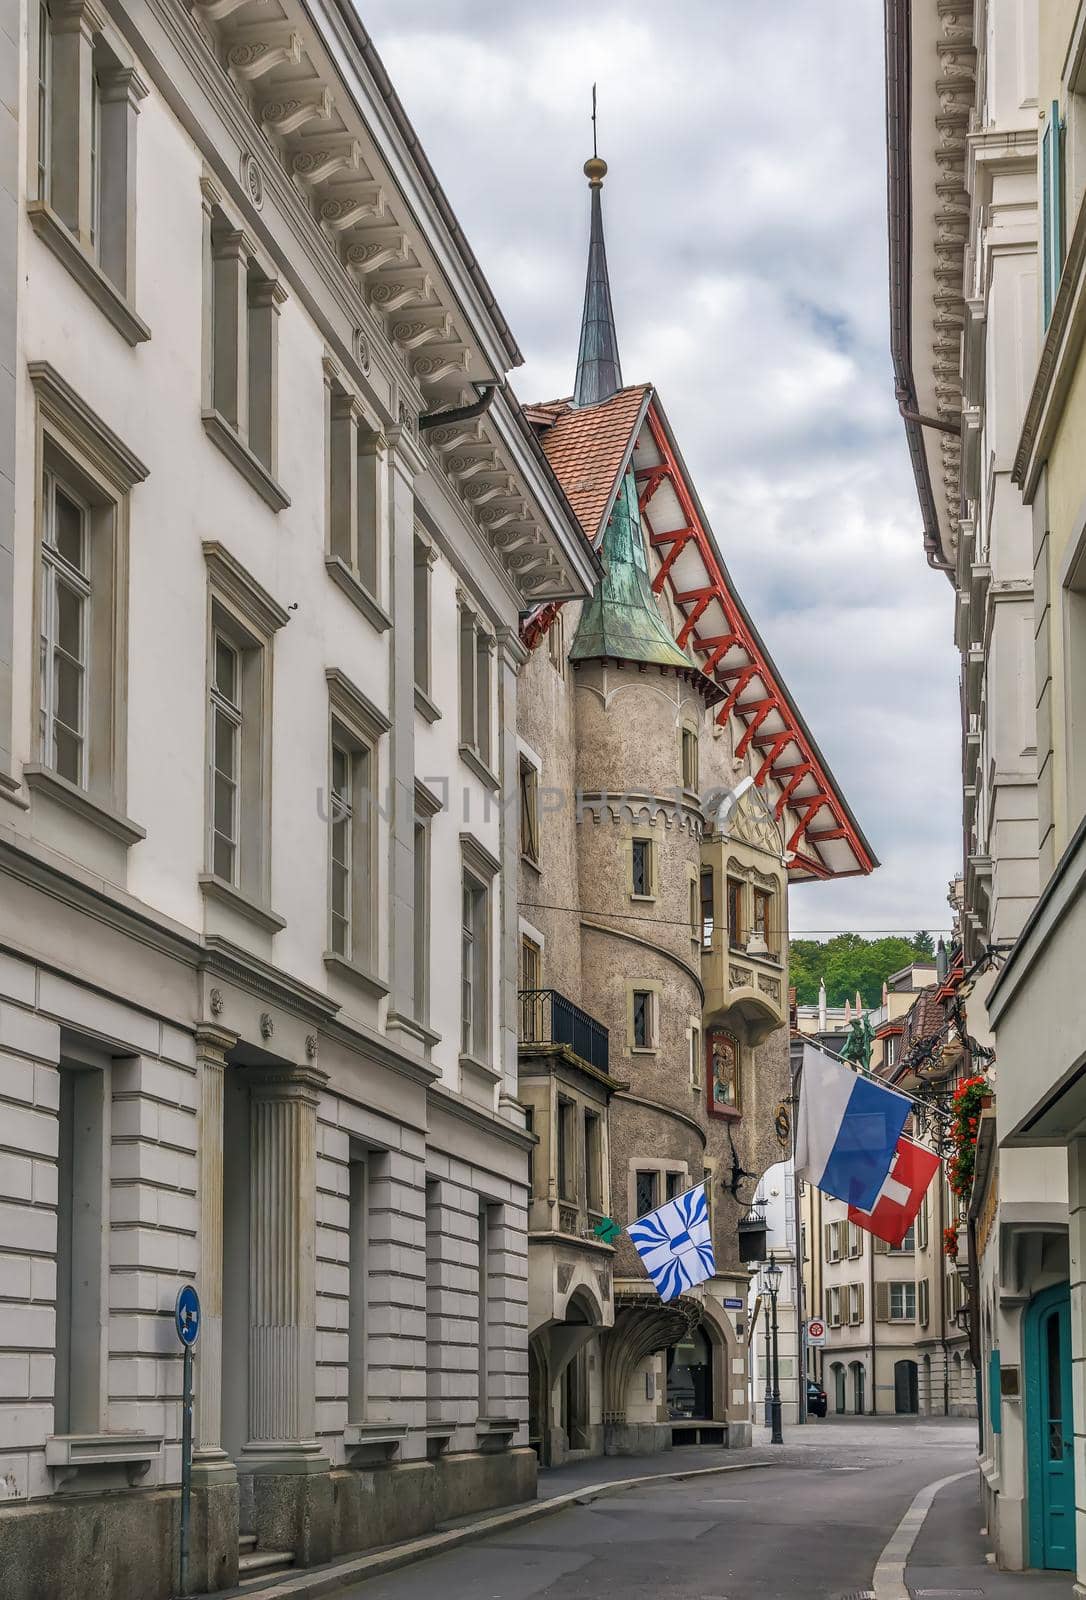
587	448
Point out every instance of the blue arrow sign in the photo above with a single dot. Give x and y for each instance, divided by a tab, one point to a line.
187	1314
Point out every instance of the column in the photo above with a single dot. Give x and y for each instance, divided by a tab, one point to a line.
511	657
230	327
210	1460
282	1271
405	464
121	91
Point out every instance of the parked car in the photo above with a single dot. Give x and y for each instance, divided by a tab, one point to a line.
816	1399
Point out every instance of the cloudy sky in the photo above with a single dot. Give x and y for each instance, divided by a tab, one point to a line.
745	217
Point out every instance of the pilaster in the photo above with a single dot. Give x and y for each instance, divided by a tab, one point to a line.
404	465
74	26
210	1461
511	656
282	1272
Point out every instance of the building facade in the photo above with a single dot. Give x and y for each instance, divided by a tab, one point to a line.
985	198
670	791
258	755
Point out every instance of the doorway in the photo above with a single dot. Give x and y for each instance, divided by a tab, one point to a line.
690	1379
1050	1430
858	1397
906	1388
839	1389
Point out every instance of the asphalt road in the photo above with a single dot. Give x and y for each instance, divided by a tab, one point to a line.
811	1528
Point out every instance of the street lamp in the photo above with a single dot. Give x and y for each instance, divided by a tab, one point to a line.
773	1275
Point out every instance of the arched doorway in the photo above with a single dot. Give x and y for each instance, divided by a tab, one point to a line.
858	1397
906	1388
1050	1430
690	1378
838	1388
927	1398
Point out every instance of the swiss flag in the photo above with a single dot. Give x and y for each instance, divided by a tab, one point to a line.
911	1170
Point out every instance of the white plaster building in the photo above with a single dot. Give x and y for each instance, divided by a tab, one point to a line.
776	1201
258	803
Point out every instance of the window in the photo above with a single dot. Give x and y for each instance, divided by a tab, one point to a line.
529	811
763	917
902	1302
645	1184
82	1229
908	1244
833	1241
65	611
855	1241
689	743
923	1306
1053	164
422	918
357	1285
736	925
695	913
707	914
529	1128
593	1161
643	1020
356	514
424	560
891	1049
567	1171
833	1302
350	852
855	1303
474	996
226	730
922	1225
695	1056
86	103
242	624
641	869
675	1184
556	642
81	578
241	357
475	693
531	964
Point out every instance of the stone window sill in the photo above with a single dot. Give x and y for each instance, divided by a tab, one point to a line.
357	593
70	1453
483	1068
533	866
471	758
375	1440
644	899
425	706
41	780
252	469
361	976
86	272
214	888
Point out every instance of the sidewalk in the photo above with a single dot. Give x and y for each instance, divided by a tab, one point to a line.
950	1555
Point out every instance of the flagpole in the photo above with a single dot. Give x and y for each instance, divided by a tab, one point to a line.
891	1088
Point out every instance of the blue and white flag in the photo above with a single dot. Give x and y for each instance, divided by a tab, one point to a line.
847	1130
675	1243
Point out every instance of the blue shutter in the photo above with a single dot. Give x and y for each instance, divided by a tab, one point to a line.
1052	209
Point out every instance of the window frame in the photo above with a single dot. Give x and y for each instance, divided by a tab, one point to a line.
528	777
77	448
1053	222
650	1176
475	675
688	757
595	1187
907	1294
736	912
648	851
648	1016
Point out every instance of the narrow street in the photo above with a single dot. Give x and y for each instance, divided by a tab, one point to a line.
813	1526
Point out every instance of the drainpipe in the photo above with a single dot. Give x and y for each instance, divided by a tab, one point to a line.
874	1326
438	419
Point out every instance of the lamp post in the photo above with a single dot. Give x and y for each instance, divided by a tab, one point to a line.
773	1275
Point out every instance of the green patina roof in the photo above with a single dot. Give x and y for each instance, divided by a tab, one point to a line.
621	621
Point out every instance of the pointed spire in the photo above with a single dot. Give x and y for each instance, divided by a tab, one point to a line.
599	374
621	620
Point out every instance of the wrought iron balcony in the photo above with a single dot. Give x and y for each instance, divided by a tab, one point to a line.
547	1017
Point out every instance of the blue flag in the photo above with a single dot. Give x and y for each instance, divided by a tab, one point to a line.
675	1243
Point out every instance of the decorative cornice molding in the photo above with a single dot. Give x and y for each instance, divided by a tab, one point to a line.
231	578
60	403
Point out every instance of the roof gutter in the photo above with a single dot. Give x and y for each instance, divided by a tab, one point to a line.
437	419
898	15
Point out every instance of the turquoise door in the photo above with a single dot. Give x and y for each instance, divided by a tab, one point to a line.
1050	1431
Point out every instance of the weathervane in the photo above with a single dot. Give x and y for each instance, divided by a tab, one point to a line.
595	151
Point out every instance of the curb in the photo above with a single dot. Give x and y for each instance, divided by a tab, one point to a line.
328	1579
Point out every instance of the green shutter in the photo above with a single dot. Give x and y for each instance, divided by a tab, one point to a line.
995	1407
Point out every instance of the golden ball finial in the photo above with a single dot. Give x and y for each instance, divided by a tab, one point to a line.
595	170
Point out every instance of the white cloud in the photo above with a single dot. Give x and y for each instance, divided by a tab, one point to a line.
745	216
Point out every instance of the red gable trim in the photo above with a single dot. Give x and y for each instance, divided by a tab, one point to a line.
751	713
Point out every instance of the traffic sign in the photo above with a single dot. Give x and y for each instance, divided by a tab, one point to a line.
187	1314
816	1333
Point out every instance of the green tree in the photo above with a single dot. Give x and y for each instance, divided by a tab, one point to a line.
852	964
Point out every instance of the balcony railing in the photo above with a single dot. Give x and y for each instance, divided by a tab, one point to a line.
547	1017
